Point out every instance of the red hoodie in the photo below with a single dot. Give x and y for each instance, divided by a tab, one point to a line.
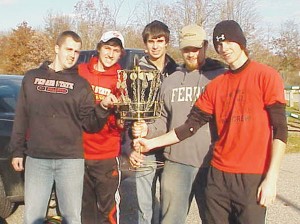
107	142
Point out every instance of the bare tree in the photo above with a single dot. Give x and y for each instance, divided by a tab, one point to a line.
245	13
124	22
181	13
133	38
91	21
287	47
40	48
288	42
55	23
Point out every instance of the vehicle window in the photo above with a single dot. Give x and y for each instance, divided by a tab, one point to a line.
85	56
127	61
7	99
81	59
9	91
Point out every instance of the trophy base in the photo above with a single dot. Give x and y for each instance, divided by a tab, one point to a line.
138	111
148	166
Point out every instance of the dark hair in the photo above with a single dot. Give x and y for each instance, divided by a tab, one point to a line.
156	29
111	42
64	35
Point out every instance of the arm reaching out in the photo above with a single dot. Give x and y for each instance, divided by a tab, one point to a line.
196	119
145	145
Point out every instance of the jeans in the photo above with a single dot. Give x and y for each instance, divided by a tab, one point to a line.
146	190
40	174
176	191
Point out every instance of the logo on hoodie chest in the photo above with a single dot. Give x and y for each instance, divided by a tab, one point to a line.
53	86
100	92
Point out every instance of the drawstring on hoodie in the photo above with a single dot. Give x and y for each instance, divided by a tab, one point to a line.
199	84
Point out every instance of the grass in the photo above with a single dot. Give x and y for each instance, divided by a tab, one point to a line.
293	144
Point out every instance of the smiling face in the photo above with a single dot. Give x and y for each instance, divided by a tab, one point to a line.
232	53
156	47
108	56
67	54
191	57
194	57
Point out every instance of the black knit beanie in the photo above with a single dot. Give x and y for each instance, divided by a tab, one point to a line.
229	30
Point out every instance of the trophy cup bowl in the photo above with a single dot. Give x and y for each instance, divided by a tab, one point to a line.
138	93
138	100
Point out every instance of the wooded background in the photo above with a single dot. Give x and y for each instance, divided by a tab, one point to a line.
24	48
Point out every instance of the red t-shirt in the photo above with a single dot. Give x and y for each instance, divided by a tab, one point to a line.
107	142
238	101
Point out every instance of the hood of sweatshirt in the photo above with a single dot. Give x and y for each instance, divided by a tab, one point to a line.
212	64
45	66
169	68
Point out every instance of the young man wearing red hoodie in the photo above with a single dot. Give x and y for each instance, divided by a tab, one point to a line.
101	199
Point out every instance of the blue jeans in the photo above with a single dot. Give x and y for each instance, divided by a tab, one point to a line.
40	174
178	187
146	189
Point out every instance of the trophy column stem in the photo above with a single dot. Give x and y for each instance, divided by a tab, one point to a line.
139	99
139	94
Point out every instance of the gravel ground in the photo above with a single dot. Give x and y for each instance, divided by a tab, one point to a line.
286	209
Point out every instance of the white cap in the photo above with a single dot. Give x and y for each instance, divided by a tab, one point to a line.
112	34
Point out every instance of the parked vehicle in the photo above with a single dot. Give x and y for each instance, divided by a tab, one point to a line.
126	62
11	182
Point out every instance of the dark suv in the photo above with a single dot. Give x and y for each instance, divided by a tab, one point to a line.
126	62
11	182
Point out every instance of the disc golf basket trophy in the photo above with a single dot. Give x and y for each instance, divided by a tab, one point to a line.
138	91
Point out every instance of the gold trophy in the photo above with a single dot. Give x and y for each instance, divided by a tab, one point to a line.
138	100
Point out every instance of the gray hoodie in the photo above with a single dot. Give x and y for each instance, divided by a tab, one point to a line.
178	93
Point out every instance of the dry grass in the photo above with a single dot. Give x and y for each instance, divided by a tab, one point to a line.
294	131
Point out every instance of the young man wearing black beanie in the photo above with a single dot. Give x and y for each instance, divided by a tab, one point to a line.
248	105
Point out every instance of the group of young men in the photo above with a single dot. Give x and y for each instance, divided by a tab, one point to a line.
67	133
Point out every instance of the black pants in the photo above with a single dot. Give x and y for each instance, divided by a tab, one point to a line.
100	202
231	198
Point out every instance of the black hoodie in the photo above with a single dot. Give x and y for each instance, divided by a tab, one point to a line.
52	111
